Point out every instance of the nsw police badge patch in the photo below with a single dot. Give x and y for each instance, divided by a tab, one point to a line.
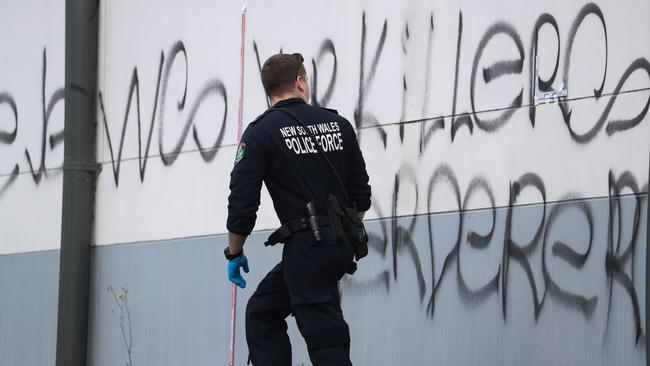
240	152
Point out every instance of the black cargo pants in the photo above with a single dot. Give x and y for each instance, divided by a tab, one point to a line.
303	284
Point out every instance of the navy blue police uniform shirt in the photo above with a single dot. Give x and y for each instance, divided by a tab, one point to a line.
276	150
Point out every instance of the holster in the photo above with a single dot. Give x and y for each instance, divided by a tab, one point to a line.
347	226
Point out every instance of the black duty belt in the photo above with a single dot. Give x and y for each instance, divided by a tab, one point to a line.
293	226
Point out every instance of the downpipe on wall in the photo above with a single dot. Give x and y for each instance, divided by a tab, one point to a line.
79	174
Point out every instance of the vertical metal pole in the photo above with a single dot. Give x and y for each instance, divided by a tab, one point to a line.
240	113
79	172
647	270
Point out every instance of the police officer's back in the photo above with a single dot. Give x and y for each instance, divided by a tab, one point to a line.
304	155
277	150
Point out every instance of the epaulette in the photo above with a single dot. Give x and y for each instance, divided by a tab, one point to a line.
330	110
261	116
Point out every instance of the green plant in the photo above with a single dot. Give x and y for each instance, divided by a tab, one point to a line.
121	301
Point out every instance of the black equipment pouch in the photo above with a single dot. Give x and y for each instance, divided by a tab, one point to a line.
348	227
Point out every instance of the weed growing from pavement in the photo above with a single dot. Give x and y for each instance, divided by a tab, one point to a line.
125	323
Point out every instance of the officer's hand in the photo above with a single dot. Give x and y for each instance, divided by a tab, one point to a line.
233	270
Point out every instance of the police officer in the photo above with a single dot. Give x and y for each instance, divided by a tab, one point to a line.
277	150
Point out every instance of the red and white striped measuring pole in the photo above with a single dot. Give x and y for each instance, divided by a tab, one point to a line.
239	125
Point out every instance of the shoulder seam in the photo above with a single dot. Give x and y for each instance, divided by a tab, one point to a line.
330	110
261	116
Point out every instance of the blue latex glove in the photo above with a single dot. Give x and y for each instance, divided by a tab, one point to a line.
233	270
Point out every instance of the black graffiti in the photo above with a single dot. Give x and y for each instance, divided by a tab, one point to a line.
169	158
211	88
622	125
398	234
589	9
427	131
9	137
615	125
617	258
443	173
495	71
142	157
402	239
544	85
547	235
327	47
477	241
216	88
577	260
12	178
463	119
438	123
427	70
362	118
405	41
509	67
56	138
521	253
259	67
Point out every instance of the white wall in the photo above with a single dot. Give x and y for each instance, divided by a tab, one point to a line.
32	58
402	73
187	194
159	206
